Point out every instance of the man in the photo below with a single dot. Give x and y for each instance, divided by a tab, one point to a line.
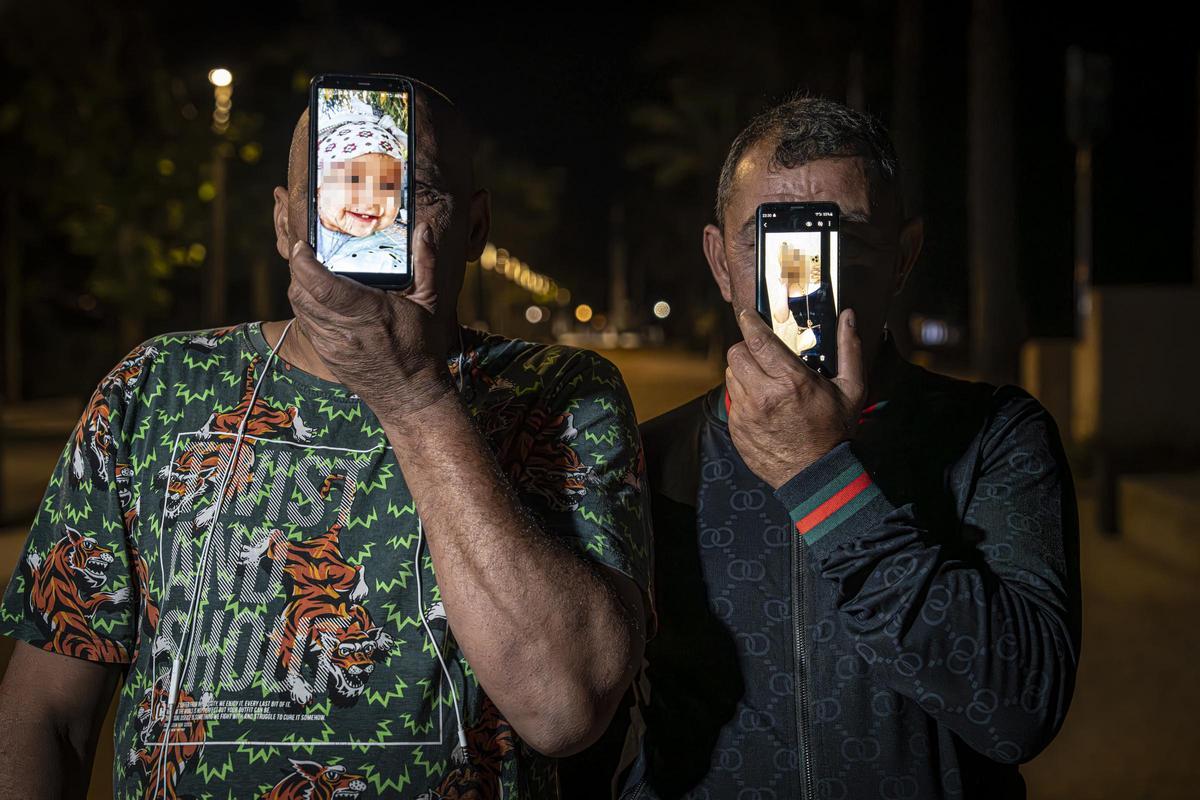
407	491
867	586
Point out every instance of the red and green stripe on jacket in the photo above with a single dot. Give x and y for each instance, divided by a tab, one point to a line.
833	494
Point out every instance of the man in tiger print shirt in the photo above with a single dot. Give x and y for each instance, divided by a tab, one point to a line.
289	589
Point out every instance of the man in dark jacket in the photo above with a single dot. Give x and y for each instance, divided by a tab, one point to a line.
867	587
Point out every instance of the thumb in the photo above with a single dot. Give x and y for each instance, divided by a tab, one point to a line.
851	378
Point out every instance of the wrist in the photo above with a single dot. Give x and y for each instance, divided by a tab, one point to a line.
799	462
423	408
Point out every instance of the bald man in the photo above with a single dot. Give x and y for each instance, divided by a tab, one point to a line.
423	572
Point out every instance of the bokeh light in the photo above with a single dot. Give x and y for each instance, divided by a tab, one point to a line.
220	76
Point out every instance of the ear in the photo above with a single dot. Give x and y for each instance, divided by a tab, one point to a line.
279	215
72	534
714	253
309	769
481	224
912	237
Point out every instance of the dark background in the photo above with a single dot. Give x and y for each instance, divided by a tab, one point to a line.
602	130
580	112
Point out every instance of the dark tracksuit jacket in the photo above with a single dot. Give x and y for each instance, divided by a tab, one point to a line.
901	620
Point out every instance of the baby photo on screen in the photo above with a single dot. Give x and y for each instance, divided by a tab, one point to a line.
362	150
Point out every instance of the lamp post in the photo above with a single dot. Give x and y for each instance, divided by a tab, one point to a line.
222	82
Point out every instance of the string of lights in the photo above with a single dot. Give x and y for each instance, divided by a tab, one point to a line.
543	288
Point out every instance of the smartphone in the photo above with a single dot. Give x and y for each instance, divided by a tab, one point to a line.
797	249
360	177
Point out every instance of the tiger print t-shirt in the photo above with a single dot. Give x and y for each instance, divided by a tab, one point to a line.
301	611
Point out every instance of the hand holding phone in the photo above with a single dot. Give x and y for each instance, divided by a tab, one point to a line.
797	253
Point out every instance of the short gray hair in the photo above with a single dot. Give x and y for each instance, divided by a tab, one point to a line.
806	129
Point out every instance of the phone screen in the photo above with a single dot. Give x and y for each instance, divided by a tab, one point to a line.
797	278
361	180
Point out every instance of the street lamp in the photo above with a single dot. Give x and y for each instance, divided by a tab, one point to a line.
222	82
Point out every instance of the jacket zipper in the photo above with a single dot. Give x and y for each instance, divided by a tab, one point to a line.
799	559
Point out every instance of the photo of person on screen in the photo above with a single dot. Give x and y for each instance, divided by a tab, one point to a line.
794	290
361	153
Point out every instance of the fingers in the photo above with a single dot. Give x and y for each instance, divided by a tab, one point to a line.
737	390
311	314
851	378
305	267
744	366
772	355
335	292
301	300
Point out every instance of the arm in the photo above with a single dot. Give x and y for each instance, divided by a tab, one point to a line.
52	706
553	640
985	640
72	639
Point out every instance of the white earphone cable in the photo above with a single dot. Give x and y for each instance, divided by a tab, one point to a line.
454	698
183	655
462	733
187	639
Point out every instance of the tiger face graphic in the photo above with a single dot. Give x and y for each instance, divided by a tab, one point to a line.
184	742
130	506
346	648
128	374
94	433
309	780
196	473
64	594
324	626
539	460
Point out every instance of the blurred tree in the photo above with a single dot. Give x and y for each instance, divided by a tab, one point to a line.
116	151
720	69
526	203
997	311
526	198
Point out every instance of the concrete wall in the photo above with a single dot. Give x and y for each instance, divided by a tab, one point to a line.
1136	373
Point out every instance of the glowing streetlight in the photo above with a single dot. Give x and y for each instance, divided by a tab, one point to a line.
222	83
533	314
583	312
662	309
220	76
